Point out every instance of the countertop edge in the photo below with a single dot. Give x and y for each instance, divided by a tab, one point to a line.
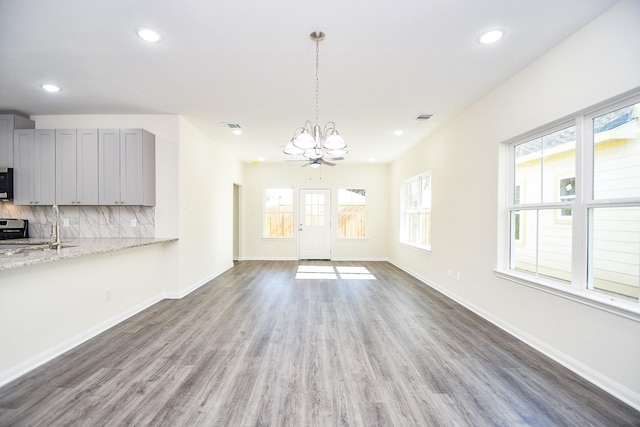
74	248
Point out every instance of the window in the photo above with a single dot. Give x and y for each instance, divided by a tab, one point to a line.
574	205
278	213
567	190
613	201
415	212
352	212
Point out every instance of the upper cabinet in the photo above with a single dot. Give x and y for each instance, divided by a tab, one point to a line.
126	167
34	166
9	122
77	166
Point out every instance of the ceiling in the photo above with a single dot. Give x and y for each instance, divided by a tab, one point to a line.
252	62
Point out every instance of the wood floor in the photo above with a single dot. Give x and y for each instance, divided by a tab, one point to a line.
257	347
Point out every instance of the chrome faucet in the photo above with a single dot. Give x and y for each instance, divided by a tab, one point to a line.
55	230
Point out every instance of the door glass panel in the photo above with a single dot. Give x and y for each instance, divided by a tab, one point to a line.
314	209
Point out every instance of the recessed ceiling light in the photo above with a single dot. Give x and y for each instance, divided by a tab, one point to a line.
50	88
148	35
491	36
398	132
371	159
237	132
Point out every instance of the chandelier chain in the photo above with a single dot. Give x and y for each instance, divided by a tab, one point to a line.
317	79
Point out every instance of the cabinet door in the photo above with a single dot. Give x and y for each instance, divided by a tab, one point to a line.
23	174
66	167
34	167
87	167
44	191
131	183
109	166
9	122
6	140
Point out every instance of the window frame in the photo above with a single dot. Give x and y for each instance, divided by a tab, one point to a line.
419	211
365	214
579	288
291	213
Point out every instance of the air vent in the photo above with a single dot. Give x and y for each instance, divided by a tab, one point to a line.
423	117
232	126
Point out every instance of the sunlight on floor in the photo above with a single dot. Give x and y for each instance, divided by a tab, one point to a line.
326	272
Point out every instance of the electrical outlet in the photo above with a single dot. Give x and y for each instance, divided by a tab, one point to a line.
65	222
134	222
107	295
450	273
458	276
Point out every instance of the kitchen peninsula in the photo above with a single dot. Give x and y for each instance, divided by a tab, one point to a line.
51	300
16	253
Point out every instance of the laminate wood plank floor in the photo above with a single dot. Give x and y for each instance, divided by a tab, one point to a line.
256	347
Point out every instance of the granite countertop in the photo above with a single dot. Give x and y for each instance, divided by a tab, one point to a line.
40	250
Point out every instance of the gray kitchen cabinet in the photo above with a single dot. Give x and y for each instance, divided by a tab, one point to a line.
34	162
126	165
9	122
77	166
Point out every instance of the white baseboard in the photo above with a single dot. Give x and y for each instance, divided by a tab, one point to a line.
607	384
353	259
184	293
359	259
55	351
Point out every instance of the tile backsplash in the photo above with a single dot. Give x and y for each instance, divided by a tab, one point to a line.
86	221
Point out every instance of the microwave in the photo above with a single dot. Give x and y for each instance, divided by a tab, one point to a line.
6	183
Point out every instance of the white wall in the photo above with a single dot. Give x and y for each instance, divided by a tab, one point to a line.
373	178
600	61
47	309
207	178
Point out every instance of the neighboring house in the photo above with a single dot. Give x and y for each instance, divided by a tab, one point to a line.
547	232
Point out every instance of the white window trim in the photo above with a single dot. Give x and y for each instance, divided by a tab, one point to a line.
293	211
577	290
366	216
418	210
564	290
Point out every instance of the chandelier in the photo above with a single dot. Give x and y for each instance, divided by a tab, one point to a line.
317	144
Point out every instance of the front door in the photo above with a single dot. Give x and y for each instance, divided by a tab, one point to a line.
314	231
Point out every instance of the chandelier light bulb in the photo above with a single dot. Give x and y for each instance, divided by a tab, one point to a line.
334	141
304	140
292	150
